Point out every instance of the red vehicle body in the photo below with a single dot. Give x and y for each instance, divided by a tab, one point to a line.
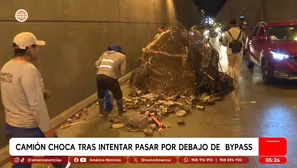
273	46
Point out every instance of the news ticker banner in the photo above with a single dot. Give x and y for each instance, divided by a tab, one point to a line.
148	147
145	160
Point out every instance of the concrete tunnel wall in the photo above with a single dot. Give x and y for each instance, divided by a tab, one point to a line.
232	9
78	31
258	10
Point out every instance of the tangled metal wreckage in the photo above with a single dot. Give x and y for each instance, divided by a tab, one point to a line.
177	71
179	62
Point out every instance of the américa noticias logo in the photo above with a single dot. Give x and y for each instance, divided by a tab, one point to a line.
21	15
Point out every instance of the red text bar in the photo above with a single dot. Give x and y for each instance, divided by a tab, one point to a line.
273	160
272	146
213	160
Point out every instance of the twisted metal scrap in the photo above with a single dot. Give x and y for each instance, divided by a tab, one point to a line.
165	60
179	61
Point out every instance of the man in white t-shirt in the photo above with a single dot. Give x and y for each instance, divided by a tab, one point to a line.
233	37
22	92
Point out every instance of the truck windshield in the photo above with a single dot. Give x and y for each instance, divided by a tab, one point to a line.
283	33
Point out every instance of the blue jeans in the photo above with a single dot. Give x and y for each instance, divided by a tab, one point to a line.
14	132
108	104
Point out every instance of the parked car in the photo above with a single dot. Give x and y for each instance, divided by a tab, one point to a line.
273	47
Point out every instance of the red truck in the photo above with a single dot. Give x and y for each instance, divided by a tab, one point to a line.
273	47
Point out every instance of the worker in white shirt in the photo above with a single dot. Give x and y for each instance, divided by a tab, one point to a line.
26	114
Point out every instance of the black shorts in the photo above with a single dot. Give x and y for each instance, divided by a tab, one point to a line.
107	83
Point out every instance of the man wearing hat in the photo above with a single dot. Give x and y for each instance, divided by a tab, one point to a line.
26	114
110	66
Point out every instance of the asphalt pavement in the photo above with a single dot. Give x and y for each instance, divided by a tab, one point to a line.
253	110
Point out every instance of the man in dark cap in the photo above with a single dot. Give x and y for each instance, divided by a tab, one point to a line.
110	66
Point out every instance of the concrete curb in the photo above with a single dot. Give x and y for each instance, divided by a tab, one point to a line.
62	117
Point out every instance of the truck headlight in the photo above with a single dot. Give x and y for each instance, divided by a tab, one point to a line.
279	56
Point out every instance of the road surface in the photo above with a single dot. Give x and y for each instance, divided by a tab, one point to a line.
273	115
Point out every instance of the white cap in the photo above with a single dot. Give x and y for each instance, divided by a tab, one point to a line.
26	39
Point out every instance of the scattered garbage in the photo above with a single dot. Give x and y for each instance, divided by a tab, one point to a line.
85	110
117	126
166	125
148	132
73	124
200	107
135	119
161	131
69	120
181	113
177	73
153	126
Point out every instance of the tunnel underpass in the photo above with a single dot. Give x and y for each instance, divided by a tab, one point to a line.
76	40
77	33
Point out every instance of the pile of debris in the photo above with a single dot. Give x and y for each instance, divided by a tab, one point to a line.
178	71
164	64
181	61
152	108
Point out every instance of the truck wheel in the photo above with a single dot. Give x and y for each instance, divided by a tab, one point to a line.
265	75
